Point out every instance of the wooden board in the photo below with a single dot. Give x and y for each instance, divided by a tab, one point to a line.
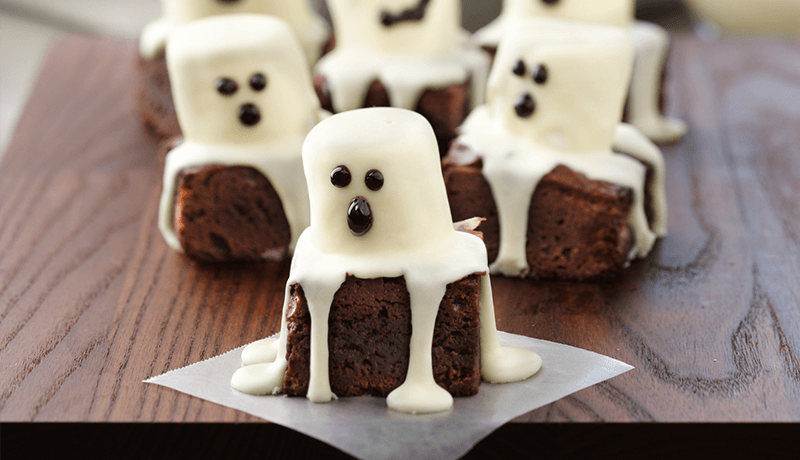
92	301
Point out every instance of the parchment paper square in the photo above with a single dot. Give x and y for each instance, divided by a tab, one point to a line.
365	428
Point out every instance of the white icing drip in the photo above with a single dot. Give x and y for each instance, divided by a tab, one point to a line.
310	28
650	41
573	128
630	140
413	236
408	58
281	164
513	167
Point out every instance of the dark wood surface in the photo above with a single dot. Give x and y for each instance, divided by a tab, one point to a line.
92	301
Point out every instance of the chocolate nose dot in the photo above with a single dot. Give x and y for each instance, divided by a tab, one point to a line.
525	106
249	115
359	216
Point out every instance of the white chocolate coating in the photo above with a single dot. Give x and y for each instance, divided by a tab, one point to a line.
748	16
311	30
407	57
575	123
650	41
237	47
412	236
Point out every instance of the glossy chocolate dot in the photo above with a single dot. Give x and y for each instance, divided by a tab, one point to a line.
258	81
550	2
359	216
387	19
226	86
249	115
525	106
519	68
229	2
340	177
540	74
374	180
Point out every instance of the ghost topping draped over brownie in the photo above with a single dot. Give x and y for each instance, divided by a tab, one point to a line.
379	220
311	29
410	54
547	131
234	189
644	106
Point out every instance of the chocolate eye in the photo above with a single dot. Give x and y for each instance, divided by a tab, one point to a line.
540	74
550	2
229	2
374	180
258	81
340	177
226	86
519	68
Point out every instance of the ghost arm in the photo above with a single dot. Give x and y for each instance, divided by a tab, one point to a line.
630	140
651	43
166	205
154	38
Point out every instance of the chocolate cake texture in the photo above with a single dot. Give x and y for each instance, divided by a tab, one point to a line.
577	227
229	213
369	334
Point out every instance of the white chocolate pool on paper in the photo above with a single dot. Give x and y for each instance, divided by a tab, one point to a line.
408	57
237	47
574	123
412	236
311	30
651	43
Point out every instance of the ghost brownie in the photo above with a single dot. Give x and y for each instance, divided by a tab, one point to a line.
540	160
154	96
645	101
384	296
234	189
415	58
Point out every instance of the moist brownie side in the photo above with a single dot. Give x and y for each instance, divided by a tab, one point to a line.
225	213
369	334
577	227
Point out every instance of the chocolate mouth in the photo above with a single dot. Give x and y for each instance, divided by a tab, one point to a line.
249	114
524	105
359	216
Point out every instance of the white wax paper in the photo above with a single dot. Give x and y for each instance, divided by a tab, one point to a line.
365	428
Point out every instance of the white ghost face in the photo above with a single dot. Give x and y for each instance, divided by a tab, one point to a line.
561	83
240	79
396	26
375	183
191	10
612	12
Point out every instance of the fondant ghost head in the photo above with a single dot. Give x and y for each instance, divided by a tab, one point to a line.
375	183
309	27
612	12
240	79
397	26
561	83
192	10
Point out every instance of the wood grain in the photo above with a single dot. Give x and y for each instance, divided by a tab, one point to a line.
92	301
